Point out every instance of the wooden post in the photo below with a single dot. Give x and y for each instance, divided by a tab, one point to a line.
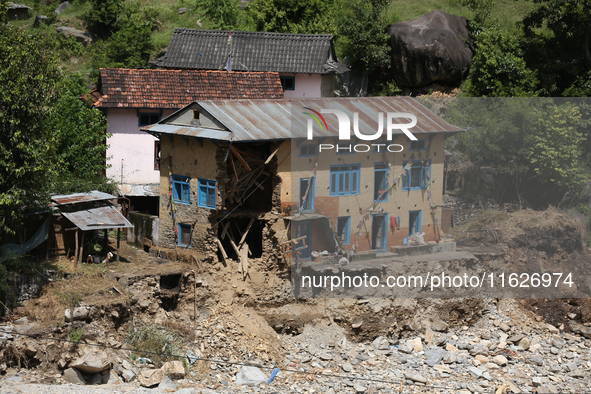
81	248
106	243
76	247
195	296
118	242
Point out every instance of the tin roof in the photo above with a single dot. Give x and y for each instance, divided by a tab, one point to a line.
100	218
14	6
259	120
251	51
149	190
81	197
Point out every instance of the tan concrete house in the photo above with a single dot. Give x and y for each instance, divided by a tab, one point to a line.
239	178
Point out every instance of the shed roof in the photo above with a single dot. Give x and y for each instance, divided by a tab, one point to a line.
134	88
81	197
99	218
259	120
14	6
251	51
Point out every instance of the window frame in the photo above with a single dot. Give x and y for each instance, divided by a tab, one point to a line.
176	180
406	179
157	154
201	183
141	113
308	154
310	199
346	230
180	226
418	148
357	171
386	170
284	78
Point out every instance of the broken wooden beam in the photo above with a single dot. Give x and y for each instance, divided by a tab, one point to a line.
221	247
246	231
236	153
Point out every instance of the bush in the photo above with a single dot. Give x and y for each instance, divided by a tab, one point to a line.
76	334
156	341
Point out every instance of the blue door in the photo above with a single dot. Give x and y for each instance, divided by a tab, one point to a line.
379	232
414	222
301	229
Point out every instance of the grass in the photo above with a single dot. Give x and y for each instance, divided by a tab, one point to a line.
154	339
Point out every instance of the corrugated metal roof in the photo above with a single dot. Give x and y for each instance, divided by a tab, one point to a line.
256	120
149	190
81	197
100	218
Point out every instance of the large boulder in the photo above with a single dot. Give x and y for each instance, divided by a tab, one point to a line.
433	47
92	362
62	7
151	377
73	376
80	36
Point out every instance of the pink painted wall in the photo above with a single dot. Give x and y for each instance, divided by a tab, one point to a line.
306	85
134	147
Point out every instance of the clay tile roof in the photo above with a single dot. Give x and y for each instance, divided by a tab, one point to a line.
133	88
251	51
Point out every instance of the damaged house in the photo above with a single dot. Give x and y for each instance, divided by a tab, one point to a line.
235	184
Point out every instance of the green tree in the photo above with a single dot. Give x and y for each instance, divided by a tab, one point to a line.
102	16
130	45
293	16
481	10
220	14
362	28
558	37
530	147
28	78
498	68
80	132
3	10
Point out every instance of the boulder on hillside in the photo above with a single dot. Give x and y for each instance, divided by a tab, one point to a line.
433	47
41	20
92	362
81	36
62	7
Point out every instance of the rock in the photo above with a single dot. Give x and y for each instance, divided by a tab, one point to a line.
450	348
356	325
381	343
250	376
347	367
536	360
80	36
579	373
167	384
182	10
482	359
477	373
3	367
42	20
359	388
185	391
73	376
415	377
430	48
572	316
325	356
96	379
442	368
110	377
504	326
439	325
62	7
151	377
515	338
92	362
81	313
433	357
500	360
537	381
534	348
552	329
525	343
578	328
128	375
417	344
174	369
68	315
406	347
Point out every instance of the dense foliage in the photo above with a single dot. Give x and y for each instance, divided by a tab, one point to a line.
293	16
47	134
